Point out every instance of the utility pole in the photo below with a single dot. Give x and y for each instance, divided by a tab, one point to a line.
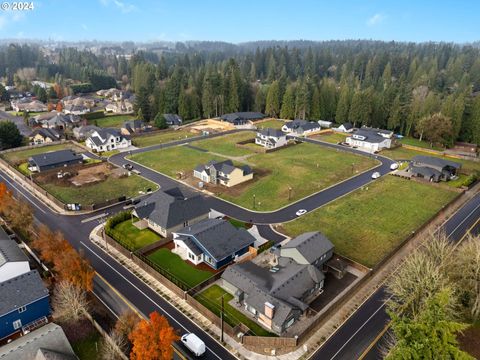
221	319
289	193
254	201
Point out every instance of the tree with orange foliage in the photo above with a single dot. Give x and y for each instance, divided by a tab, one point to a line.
58	90
152	340
50	107
59	107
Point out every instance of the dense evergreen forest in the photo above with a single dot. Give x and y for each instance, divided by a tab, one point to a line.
383	84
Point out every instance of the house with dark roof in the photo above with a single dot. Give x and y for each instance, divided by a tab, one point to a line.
48	342
44	136
53	159
82	132
215	242
13	261
301	127
133	127
370	139
107	140
24	302
223	173
432	168
345	128
271	138
173	120
277	296
242	118
170	210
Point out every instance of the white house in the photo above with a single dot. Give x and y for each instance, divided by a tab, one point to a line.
13	262
370	139
271	138
107	140
301	127
345	128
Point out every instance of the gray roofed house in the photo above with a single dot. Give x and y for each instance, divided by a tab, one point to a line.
218	240
173	119
241	118
223	172
370	139
133	126
271	138
107	140
278	296
13	261
170	210
301	127
53	159
433	168
43	136
82	132
346	127
45	343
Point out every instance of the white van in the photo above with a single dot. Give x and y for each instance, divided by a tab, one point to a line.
194	344
394	166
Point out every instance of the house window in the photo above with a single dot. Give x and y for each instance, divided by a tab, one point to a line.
289	323
22	309
17	324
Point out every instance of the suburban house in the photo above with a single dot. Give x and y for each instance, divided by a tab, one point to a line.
55	120
223	172
301	127
119	107
53	160
370	139
13	262
432	168
48	342
107	140
277	296
24	304
345	128
82	132
76	109
44	136
28	105
132	127
215	242
242	118
325	124
170	210
271	138
173	119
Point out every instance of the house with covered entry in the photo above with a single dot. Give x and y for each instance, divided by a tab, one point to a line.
277	296
271	138
223	173
432	168
370	139
44	136
242	118
170	210
107	140
215	242
301	127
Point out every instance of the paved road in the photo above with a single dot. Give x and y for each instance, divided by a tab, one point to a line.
136	291
362	328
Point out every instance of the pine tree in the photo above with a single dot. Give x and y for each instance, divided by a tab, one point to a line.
343	106
288	103
160	121
272	106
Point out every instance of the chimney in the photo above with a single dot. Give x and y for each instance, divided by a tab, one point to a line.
269	310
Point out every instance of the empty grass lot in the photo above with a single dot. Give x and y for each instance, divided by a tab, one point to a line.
333	138
135	237
180	269
20	156
113	121
109	189
172	160
272	124
306	168
401	153
416	142
211	298
367	225
225	145
162	137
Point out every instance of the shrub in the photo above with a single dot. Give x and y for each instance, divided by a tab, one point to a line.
264	247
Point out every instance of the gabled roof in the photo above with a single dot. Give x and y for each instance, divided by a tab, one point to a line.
302	125
347	125
104	134
242	116
311	246
54	157
435	161
369	135
225	167
46	133
133	124
10	252
272	133
173	119
217	237
20	291
172	207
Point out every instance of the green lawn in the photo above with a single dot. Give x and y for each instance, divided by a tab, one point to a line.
88	348
416	142
306	168
273	124
17	157
115	121
225	145
162	137
369	223
111	188
211	298
333	138
401	153
172	160
135	237
180	269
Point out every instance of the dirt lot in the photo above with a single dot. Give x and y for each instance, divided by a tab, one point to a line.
211	125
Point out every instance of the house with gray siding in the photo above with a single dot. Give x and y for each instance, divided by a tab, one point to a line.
432	168
277	296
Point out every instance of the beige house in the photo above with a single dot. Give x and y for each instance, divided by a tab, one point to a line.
44	136
223	173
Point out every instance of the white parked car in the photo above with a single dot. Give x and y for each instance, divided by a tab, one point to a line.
394	166
376	175
301	212
194	344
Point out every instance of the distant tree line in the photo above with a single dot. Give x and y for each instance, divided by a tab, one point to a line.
399	86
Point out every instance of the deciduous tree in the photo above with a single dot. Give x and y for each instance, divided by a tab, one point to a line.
69	302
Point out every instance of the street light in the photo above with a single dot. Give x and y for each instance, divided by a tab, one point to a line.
289	193
221	319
